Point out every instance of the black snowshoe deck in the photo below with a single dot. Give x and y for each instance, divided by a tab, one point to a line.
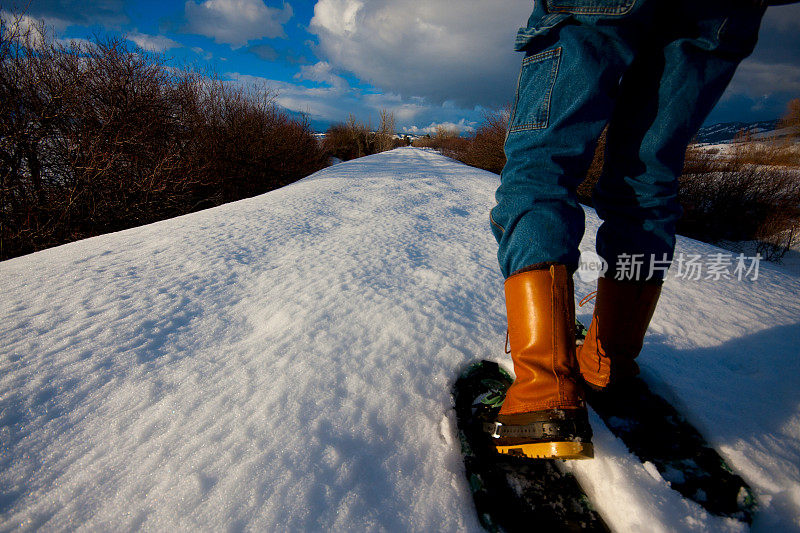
512	493
654	431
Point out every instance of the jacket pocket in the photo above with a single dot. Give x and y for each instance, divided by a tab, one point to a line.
590	7
534	89
539	29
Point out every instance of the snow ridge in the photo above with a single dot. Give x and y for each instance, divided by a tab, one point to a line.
284	363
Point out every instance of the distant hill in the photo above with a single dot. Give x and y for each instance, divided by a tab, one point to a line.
726	131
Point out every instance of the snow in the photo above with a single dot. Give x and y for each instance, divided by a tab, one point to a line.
284	363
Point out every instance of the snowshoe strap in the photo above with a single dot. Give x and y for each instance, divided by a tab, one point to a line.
546	430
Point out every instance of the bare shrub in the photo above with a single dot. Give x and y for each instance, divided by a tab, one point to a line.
727	196
349	140
751	203
354	139
779	232
791	120
247	144
750	192
485	148
98	137
384	138
122	143
448	141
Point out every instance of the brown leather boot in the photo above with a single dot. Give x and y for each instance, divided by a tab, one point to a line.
543	414
622	312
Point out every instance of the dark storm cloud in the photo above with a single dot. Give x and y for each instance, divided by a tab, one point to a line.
428	49
81	12
269	53
770	77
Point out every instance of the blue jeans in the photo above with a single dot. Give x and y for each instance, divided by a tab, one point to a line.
650	69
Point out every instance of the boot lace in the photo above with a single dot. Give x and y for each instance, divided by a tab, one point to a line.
585	300
588	298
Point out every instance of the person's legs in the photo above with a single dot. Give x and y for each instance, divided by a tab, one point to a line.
664	98
566	93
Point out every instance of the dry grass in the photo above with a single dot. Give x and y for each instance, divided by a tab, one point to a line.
769	152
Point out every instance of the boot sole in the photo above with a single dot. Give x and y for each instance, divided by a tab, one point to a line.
550	450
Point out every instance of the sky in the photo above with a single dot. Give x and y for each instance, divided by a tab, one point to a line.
431	63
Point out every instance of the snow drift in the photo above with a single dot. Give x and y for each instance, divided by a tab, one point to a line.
285	363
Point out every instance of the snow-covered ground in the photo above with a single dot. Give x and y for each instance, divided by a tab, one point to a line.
284	363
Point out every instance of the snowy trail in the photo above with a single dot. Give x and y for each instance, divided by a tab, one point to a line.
284	363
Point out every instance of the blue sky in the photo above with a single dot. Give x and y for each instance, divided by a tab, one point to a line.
431	62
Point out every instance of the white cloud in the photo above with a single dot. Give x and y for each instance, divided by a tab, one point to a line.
438	49
337	16
202	53
463	126
322	72
330	104
23	26
153	43
236	22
